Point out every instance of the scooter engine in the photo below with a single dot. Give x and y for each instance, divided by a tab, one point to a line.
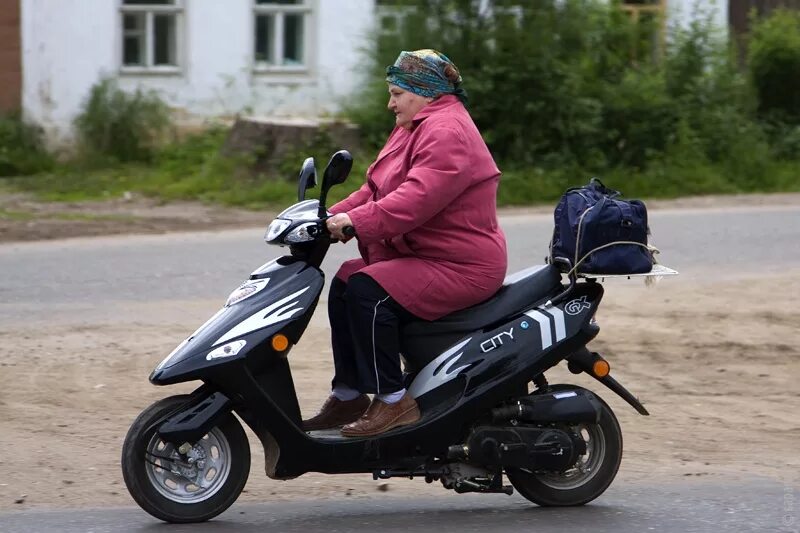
520	447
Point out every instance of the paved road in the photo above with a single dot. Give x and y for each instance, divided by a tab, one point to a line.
694	507
94	277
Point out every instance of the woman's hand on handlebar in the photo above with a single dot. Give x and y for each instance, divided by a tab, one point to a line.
336	226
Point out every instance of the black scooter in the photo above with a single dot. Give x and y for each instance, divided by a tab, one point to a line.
186	458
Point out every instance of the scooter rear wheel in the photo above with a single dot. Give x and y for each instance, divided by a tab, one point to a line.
184	488
589	477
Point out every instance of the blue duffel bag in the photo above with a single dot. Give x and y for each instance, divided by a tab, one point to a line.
600	234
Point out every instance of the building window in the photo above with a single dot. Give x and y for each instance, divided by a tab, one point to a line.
649	17
282	34
150	35
391	15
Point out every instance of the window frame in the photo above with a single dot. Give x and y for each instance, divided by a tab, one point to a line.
150	11
657	8
398	13
308	10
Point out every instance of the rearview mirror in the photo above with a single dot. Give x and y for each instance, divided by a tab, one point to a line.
307	179
335	173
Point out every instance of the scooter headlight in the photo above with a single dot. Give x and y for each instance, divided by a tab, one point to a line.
275	228
302	233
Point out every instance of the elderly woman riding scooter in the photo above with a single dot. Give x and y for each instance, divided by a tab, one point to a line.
430	243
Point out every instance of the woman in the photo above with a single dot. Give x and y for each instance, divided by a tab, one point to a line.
430	243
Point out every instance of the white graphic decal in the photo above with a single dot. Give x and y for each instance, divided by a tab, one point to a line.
544	327
576	307
544	324
561	327
281	310
496	341
428	379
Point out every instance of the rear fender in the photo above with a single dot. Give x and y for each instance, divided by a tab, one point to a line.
583	361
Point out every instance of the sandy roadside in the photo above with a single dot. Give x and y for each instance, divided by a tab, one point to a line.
716	364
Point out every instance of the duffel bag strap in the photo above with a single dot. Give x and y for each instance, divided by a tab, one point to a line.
650	248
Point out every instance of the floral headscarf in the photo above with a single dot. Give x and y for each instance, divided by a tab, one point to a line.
425	72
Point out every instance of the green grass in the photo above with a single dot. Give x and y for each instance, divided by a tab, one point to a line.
6	214
194	170
517	187
10	214
189	170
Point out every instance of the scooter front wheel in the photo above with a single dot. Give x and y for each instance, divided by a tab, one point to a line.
184	487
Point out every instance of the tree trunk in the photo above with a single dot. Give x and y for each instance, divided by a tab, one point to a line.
270	141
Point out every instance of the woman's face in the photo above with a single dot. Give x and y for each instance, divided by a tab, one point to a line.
405	105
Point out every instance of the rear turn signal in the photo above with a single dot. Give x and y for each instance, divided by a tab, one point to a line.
601	368
280	342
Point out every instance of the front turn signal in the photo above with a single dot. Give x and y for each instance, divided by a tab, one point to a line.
280	342
601	368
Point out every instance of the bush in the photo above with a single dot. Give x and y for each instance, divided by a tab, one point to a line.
121	126
774	63
576	84
22	149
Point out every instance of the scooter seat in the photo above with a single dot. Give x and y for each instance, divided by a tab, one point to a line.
423	340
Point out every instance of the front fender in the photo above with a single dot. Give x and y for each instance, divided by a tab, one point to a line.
196	419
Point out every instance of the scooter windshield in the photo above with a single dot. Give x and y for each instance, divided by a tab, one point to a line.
306	210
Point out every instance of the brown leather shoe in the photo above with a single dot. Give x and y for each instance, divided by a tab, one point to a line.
381	417
335	413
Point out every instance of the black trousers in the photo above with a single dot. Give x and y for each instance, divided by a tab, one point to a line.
365	335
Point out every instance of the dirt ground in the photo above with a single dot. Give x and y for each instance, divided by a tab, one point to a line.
720	382
24	218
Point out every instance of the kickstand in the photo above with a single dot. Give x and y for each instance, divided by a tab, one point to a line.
496	485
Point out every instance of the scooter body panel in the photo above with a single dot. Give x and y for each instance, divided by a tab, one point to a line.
280	293
467	380
464	383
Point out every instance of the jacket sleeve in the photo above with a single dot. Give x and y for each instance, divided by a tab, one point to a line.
355	199
439	173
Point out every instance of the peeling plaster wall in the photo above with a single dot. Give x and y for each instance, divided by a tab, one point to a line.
68	45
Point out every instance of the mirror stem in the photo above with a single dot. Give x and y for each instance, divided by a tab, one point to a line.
323	211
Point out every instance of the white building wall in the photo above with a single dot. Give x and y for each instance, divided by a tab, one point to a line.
682	12
65	46
68	45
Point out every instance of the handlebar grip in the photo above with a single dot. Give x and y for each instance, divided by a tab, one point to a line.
349	231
